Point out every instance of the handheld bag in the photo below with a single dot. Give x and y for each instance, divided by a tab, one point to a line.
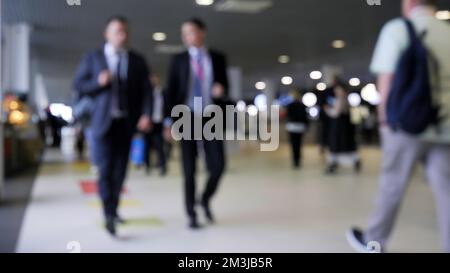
138	150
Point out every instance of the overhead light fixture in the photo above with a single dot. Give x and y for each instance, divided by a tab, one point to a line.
261	102
315	75
443	15
354	82
244	6
159	36
354	99
314	112
252	110
241	106
260	85
309	99
204	2
321	86
286	80
284	59
338	44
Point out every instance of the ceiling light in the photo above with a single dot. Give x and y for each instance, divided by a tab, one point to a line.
159	36
260	85
314	112
204	2
338	44
321	86
261	101
443	15
354	99
243	6
241	106
252	110
315	75
287	80
284	59
309	99
354	82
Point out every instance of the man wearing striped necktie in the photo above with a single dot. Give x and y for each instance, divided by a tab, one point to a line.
197	73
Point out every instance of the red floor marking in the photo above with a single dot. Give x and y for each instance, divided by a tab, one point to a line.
90	187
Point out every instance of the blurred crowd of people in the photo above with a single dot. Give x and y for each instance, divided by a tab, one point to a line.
123	97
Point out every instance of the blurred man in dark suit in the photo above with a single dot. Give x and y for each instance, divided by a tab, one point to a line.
198	72
116	78
154	139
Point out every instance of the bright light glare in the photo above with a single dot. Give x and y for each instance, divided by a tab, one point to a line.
309	99
370	94
315	75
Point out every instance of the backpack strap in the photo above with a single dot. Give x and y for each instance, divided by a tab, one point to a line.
411	30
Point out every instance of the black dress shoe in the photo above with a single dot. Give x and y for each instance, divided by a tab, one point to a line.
111	227
193	224
119	220
331	168
208	213
163	171
358	166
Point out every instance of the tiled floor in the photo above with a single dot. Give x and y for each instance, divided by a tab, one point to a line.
263	206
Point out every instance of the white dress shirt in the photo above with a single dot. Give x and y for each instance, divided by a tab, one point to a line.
158	102
112	60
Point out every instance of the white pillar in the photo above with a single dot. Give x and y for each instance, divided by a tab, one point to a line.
16	73
235	78
329	72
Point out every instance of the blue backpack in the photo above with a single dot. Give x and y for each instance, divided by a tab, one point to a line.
410	106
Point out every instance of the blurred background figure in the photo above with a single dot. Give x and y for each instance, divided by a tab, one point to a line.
56	124
404	65
341	135
296	124
123	102
198	72
154	138
80	142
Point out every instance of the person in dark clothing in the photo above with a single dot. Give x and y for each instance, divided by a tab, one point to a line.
117	79
296	124
198	72
154	139
341	138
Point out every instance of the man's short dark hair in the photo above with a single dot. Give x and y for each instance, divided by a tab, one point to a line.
117	18
197	22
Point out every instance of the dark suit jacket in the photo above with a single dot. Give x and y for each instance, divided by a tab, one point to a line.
179	79
139	90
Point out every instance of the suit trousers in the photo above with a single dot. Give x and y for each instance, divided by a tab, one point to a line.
215	163
112	160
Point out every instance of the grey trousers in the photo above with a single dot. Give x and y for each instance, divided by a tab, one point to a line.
401	153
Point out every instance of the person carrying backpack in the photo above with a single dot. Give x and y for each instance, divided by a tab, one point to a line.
412	63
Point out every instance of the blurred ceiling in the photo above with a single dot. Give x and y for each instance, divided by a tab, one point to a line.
302	29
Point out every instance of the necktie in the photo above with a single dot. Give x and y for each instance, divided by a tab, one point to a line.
119	102
198	75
